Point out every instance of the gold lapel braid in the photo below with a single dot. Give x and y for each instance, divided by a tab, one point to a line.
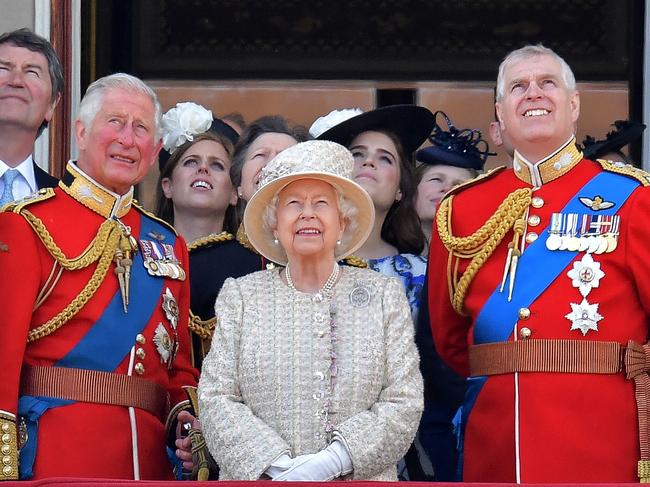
101	249
480	245
83	297
91	254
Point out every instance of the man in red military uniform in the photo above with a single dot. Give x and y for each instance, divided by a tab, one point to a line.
547	296
95	307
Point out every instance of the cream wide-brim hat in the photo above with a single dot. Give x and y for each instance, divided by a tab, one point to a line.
316	159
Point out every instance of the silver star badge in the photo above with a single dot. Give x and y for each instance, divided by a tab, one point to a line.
586	274
584	317
170	307
163	343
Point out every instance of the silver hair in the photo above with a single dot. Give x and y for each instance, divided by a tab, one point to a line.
528	52
347	210
91	103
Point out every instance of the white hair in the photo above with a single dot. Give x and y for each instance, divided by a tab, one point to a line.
528	52
347	211
91	103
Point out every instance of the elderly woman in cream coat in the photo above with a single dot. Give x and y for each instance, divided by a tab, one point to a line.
313	372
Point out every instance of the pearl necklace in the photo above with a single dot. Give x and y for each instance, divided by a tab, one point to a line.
327	287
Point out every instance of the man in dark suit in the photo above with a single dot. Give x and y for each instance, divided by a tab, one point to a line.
31	83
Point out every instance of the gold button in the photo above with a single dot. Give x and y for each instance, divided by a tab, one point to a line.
140	353
525	333
6	460
533	220
5	449
7	470
140	339
5	427
531	237
524	313
537	202
139	368
6	438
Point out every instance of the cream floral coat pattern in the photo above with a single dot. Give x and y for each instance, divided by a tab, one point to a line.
287	372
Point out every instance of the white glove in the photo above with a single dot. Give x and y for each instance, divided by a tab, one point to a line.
284	462
329	463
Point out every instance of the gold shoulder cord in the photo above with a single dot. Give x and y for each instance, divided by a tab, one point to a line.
480	245
203	328
210	240
355	261
101	250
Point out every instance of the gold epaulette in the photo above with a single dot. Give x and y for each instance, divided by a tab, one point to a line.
210	240
9	442
136	204
471	182
355	261
625	169
41	195
203	328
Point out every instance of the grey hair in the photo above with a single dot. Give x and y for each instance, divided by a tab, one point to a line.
347	210
528	52
92	101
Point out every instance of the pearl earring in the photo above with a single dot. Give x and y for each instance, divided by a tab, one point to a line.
338	242
276	241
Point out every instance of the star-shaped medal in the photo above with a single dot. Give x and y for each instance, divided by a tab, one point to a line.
163	343
170	307
584	317
586	274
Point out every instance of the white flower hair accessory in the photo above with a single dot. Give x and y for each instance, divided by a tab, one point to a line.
332	119
181	123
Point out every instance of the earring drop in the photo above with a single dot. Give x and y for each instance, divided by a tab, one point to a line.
338	242
276	241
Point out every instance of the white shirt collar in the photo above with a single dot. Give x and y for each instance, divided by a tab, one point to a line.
25	168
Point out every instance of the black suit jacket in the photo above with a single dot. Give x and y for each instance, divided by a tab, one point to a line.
43	179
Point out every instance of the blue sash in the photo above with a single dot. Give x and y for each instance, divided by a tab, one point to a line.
538	267
105	345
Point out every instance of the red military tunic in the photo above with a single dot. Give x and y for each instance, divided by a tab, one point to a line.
548	427
85	439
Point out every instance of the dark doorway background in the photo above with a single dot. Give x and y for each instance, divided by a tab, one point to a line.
386	40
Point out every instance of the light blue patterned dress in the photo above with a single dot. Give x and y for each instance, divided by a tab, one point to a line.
410	269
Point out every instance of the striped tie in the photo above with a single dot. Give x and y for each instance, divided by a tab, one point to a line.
8	178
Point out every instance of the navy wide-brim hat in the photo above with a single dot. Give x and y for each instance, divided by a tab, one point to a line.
624	133
411	124
218	126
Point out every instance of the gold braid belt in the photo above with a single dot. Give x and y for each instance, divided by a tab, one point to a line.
102	250
480	245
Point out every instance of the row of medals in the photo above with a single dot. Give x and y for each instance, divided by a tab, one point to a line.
591	234
165	268
594	234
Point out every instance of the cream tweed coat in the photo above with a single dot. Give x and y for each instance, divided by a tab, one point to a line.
288	372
